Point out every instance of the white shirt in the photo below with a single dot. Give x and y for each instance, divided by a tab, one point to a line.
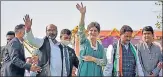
55	60
27	54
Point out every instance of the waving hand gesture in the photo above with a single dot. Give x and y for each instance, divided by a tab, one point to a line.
81	8
28	22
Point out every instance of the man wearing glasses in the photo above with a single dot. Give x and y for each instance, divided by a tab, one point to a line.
52	60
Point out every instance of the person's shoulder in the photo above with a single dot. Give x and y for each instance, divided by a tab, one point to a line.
87	40
110	47
157	45
14	43
70	48
3	47
14	40
100	44
140	43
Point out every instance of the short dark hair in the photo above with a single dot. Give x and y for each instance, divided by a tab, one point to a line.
148	28
10	33
65	31
125	28
49	25
18	27
94	24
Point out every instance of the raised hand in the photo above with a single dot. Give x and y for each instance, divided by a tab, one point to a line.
81	8
28	22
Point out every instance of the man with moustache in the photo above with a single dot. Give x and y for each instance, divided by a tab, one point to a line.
122	56
51	57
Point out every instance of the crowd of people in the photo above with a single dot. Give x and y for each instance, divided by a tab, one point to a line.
56	58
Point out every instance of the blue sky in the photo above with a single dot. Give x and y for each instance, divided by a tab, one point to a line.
110	14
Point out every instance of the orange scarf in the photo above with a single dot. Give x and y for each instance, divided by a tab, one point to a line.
120	60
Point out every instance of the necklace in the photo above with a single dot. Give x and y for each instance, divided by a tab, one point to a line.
25	43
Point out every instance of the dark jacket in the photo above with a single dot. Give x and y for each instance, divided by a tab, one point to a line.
73	60
44	58
1	54
14	60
